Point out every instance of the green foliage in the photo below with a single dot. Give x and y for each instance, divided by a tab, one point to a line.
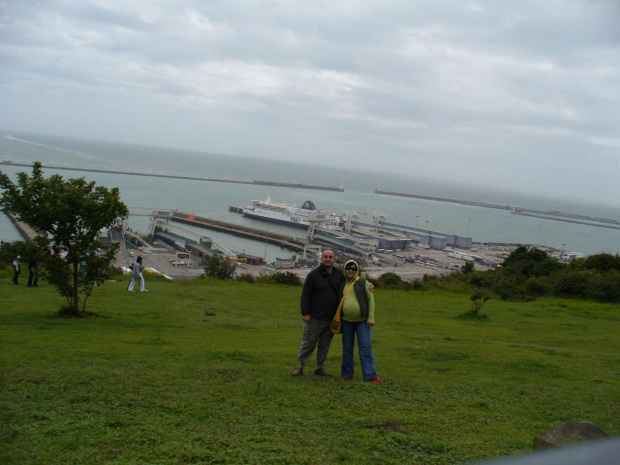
468	268
218	267
391	280
69	214
478	299
605	287
538	286
10	250
528	274
571	284
246	278
288	278
602	262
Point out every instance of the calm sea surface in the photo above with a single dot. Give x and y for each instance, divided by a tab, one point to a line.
212	199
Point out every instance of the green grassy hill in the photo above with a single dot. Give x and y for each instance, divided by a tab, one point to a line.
151	379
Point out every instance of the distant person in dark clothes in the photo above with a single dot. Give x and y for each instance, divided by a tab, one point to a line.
33	272
16	269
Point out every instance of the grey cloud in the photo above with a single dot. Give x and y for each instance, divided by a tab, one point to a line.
448	88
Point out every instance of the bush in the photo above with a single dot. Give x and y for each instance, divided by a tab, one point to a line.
393	281
509	290
246	278
279	277
605	287
218	267
538	287
572	284
602	262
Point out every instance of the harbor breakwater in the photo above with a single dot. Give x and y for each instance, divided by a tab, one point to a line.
190	178
547	215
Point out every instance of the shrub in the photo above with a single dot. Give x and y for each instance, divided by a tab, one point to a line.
605	287
279	277
538	287
246	278
571	284
509	289
218	267
478	299
393	281
602	262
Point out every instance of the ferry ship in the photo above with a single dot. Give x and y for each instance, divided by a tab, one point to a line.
291	215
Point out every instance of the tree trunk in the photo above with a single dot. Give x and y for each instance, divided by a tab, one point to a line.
76	294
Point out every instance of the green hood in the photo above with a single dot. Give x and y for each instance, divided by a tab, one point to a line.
344	268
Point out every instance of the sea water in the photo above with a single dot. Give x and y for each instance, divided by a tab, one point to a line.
212	199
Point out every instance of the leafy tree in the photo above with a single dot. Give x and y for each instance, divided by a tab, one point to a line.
218	267
478	299
468	268
10	250
602	262
69	215
528	263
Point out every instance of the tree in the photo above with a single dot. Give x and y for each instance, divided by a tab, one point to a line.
478	299
218	267
69	215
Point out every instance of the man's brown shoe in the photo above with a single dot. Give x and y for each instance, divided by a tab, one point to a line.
321	372
298	371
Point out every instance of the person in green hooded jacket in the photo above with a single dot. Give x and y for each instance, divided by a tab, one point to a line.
358	316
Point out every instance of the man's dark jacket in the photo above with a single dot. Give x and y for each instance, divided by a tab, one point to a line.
319	297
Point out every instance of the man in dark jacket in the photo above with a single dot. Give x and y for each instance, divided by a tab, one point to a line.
319	301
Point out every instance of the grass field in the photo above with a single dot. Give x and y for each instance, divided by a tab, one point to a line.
151	379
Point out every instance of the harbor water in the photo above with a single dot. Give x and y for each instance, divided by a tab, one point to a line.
212	199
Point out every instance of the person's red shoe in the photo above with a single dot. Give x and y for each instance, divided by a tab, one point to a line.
346	378
377	380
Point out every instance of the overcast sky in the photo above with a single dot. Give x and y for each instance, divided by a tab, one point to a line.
520	94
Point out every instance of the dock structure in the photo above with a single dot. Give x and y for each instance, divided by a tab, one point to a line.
240	231
27	233
433	239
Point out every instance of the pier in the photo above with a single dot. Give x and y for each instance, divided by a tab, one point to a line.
25	230
281	240
189	178
499	206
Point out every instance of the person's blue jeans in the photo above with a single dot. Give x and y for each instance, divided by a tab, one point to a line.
364	346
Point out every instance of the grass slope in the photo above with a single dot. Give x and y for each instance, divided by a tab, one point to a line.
151	379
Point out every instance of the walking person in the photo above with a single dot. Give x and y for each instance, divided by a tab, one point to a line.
319	301
33	272
136	275
358	316
16	269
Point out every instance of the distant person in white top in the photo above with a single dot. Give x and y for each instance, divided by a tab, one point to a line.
16	269
136	275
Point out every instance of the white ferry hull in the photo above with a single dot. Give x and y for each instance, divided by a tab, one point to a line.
292	221
289	215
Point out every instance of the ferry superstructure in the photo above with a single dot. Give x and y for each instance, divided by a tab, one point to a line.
292	215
